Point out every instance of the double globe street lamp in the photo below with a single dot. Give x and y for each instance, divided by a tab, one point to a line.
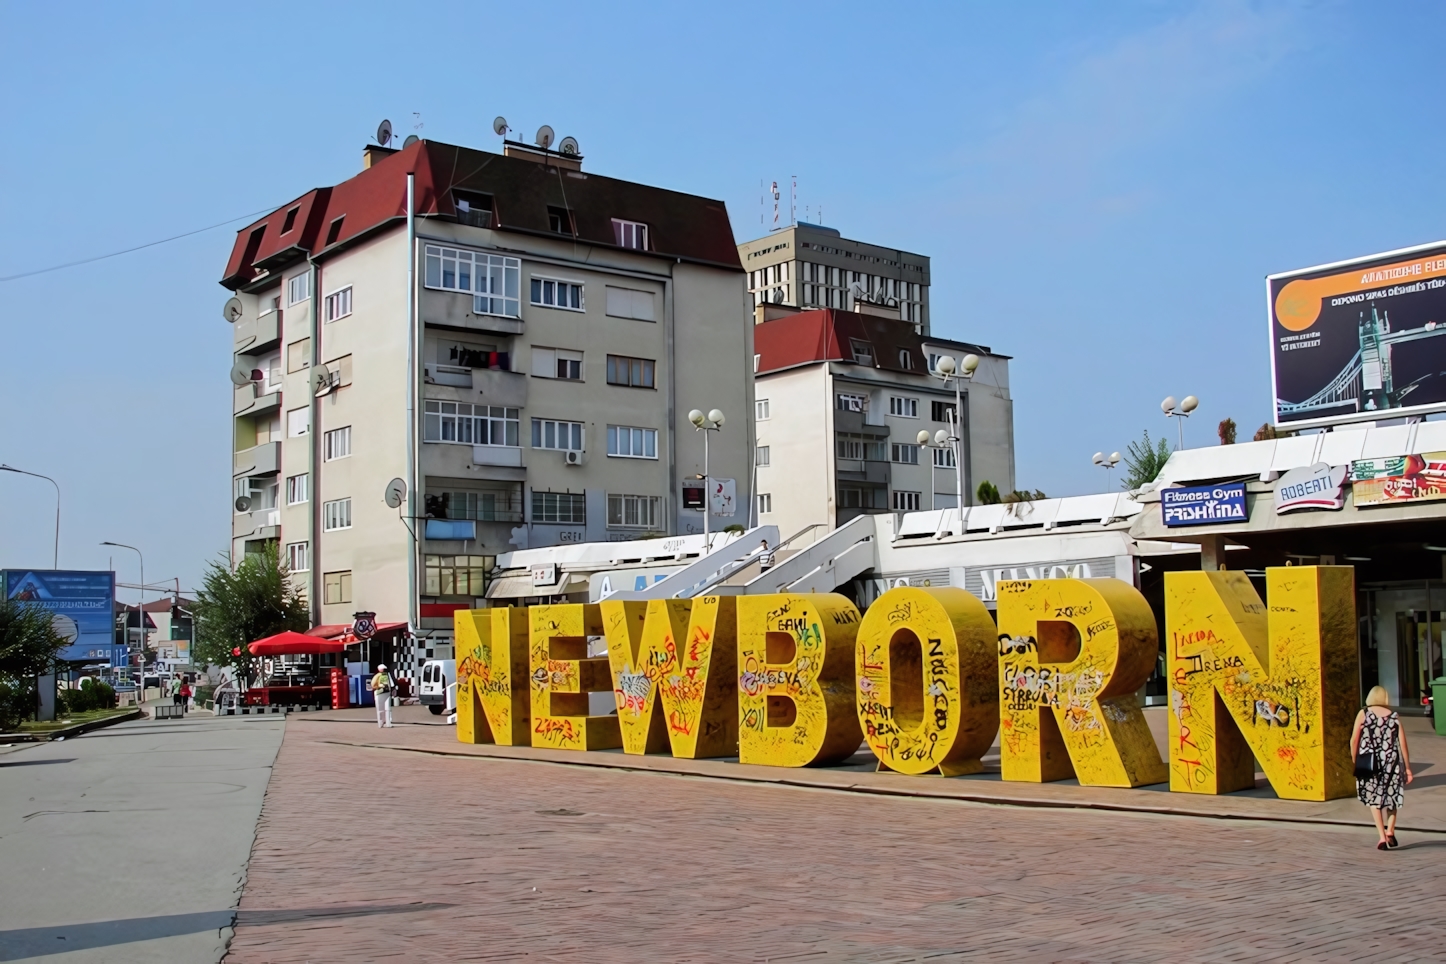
712	422
1181	411
946	369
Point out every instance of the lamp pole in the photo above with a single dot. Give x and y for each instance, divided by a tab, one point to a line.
938	441
946	369
140	621
55	557
1187	405
712	422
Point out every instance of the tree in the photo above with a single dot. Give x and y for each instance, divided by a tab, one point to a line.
1023	495
987	493
1144	459
29	646
1268	431
237	607
1227	431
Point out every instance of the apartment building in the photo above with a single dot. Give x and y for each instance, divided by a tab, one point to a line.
841	398
811	266
516	339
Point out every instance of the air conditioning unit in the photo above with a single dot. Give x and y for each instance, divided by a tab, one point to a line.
572	457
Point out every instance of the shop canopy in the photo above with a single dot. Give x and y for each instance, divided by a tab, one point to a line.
290	643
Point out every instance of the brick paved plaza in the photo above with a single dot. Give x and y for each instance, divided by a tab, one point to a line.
374	853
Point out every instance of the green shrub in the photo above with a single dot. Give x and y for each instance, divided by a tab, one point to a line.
92	694
17	703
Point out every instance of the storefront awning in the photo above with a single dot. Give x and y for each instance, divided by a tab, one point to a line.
294	644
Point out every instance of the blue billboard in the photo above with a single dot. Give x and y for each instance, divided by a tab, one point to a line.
82	605
1198	505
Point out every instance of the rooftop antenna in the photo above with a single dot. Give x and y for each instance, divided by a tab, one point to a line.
417	121
384	133
499	127
775	204
793	201
761	208
544	137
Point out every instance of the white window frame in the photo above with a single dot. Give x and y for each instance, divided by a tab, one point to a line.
762	455
338	304
645	511
304	422
630	234
336	515
634	303
765	503
494	281
907	501
336	444
298	556
903	406
761	410
849	402
298	289
639	440
944	458
551	362
900	452
543	287
471	424
298	489
574	499
557	428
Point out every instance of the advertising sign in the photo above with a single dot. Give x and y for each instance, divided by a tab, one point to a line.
722	496
1360	340
544	574
1198	505
1401	478
1319	486
82	605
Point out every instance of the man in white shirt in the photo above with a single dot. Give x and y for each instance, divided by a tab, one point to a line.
381	686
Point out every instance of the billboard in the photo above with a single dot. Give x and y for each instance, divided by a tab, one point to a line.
82	605
1401	478
1199	505
1359	340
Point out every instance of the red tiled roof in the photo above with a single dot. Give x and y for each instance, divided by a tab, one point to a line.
827	334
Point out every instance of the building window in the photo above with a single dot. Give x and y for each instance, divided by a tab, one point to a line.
906	359
336	515
625	441
298	355
454	575
860	447
338	304
473	208
495	281
261	493
863	351
569	508
557	363
639	511
760	410
862	497
497	502
467	424
550	434
297	557
630	303
337	443
630	372
559	221
904	453
298	489
906	501
557	294
630	234
334	232
765	503
298	422
290	221
906	407
944	458
941	411
846	402
761	455
756	360
298	289
336	587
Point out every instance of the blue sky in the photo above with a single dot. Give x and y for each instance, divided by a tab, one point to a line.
1102	189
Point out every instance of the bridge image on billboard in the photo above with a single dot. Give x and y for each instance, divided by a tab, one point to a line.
1360	340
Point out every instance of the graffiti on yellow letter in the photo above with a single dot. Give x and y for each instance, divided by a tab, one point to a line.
926	692
1278	686
1072	654
562	674
492	700
795	679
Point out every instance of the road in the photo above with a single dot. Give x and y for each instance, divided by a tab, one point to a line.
130	843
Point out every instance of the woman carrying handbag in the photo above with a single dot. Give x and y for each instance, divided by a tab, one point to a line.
1383	765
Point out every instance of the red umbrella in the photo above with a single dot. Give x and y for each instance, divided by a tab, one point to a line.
290	643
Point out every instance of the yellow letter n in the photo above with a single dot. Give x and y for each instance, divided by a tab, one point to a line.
492	700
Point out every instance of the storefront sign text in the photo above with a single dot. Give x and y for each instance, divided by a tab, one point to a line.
1198	505
1319	486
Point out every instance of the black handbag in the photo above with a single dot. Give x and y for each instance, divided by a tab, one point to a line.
1365	765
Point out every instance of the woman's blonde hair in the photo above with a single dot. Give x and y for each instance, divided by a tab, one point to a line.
1378	697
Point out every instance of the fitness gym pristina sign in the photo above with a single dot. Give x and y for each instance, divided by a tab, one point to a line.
927	680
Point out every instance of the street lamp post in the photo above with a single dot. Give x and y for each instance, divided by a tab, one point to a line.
1108	464
55	558
1187	405
140	621
939	441
712	422
945	370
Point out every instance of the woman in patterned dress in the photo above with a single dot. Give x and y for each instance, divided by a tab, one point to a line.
1378	731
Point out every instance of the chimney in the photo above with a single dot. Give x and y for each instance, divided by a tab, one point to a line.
373	153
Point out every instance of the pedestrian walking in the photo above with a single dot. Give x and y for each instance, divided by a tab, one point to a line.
381	686
184	695
175	687
1383	764
765	557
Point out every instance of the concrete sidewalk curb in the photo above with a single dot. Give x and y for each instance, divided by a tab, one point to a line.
70	731
957	791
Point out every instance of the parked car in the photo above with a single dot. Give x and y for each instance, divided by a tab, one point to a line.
437	675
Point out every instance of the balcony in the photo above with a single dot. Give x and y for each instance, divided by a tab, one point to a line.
249	402
455	309
254	335
497	455
263	459
260	524
454	375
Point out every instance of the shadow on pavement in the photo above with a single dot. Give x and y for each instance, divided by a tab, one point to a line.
43	941
37	763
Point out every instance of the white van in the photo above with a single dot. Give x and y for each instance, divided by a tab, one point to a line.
437	675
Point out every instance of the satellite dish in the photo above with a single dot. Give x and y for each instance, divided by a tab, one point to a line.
232	312
396	492
384	133
568	145
240	375
243	503
411	139
320	380
499	126
544	137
